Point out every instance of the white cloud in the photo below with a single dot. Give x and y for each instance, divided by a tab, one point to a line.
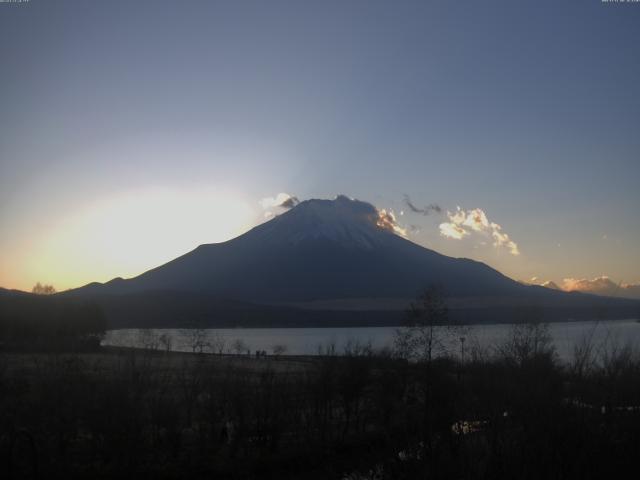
602	285
451	230
463	223
273	206
475	219
387	220
279	200
501	239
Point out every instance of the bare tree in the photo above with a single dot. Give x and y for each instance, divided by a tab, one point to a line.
355	348
427	333
166	341
585	353
196	339
528	340
218	343
40	289
239	346
279	349
148	339
427	327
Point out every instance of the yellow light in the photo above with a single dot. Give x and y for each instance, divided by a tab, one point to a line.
131	233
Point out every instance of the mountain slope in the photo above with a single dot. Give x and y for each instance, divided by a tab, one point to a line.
321	249
326	250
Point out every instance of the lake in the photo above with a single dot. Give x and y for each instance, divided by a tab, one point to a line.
307	341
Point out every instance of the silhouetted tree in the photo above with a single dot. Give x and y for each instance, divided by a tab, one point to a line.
427	326
166	341
40	289
196	339
279	349
528	340
239	346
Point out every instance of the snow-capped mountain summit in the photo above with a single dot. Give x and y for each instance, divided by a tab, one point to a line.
344	221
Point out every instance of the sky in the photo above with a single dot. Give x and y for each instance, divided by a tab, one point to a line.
133	131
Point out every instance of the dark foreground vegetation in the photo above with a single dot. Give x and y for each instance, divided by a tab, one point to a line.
513	412
70	409
44	322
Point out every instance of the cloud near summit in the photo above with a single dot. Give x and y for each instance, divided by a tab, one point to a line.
431	208
382	218
463	223
387	220
281	201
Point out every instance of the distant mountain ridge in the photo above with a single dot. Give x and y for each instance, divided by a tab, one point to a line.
327	251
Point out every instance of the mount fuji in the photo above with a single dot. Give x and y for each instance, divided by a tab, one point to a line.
323	262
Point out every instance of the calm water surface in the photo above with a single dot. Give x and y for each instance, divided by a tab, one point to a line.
307	341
